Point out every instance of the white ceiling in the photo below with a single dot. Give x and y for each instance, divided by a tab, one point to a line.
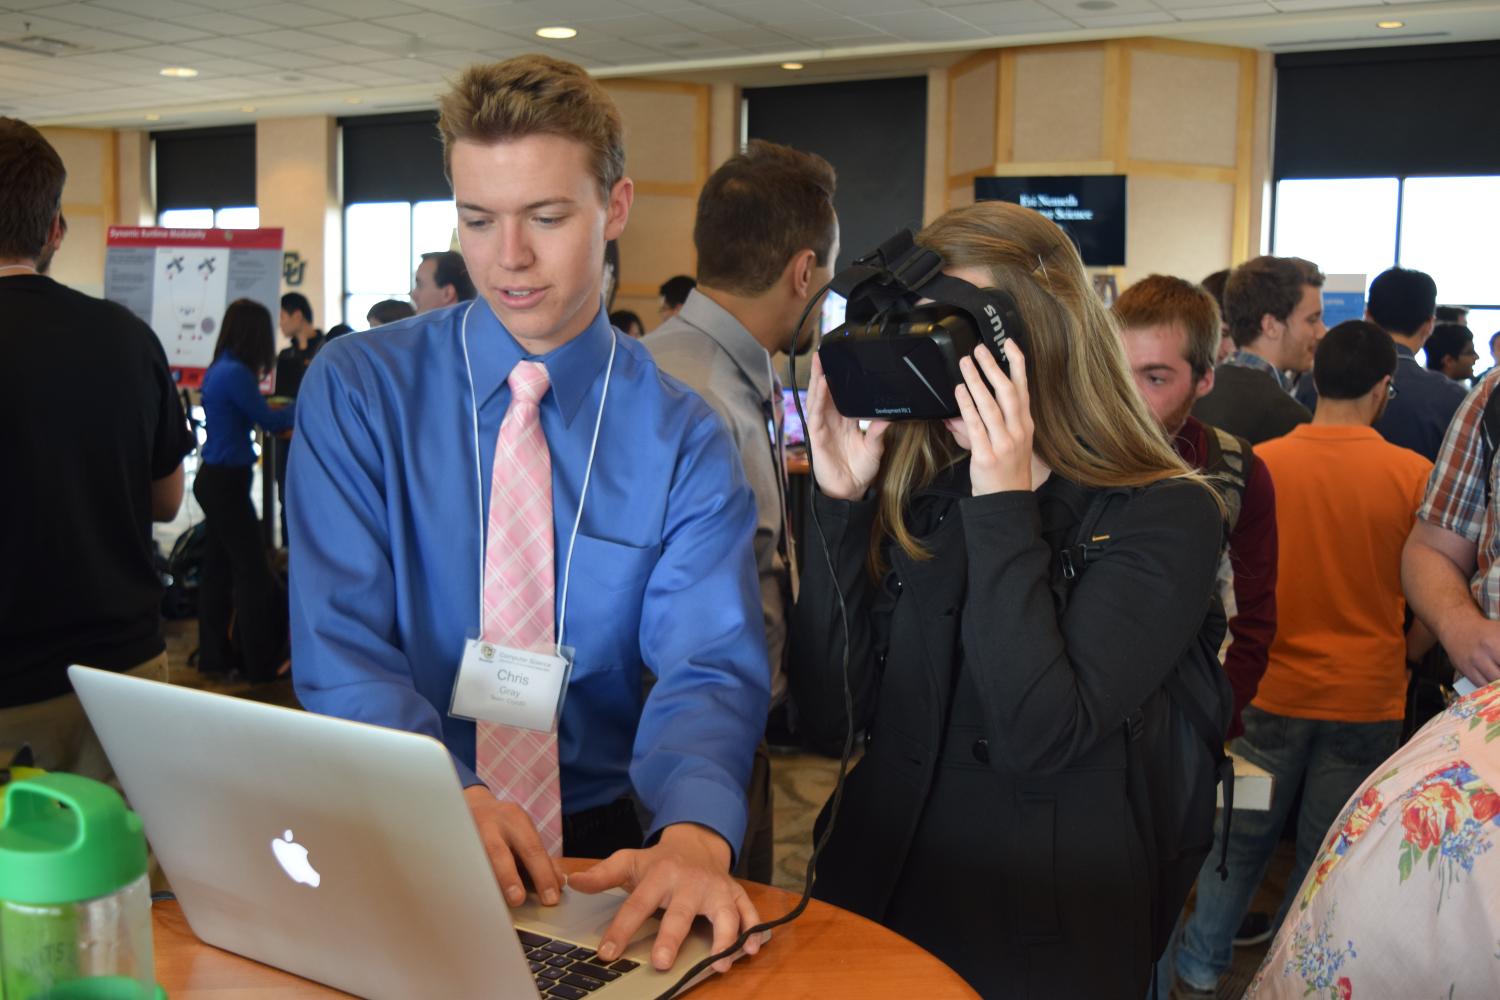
258	58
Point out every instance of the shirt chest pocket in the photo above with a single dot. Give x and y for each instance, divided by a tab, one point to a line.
605	595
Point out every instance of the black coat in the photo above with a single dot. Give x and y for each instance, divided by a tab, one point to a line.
987	820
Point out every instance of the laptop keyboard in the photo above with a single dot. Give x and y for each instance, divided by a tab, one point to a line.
569	971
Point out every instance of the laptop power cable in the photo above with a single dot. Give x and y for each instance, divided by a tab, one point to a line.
838	789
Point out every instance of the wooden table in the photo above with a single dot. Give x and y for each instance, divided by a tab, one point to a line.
825	953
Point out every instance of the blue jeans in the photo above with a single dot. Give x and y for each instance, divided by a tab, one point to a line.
1333	759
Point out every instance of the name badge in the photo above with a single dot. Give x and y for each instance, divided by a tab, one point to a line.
511	687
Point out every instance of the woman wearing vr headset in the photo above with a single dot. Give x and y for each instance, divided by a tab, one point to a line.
998	663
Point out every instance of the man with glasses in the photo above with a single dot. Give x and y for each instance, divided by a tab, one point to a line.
1330	705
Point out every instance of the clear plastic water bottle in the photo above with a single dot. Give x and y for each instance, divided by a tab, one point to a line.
75	901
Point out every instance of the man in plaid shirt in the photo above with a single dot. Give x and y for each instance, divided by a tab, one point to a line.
1451	566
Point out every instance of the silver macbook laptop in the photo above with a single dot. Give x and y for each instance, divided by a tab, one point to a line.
344	853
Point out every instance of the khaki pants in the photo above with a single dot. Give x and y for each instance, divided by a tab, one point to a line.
59	733
61	739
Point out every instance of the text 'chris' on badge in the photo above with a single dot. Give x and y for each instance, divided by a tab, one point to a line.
512	687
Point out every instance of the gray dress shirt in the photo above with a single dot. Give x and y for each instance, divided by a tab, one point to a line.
710	350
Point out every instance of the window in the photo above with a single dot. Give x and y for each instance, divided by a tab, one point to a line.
383	243
1343	226
241	217
1444	226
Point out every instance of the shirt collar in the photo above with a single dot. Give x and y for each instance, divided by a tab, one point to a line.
571	368
1244	359
729	333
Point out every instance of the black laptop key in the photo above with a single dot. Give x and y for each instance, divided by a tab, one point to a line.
536	967
542	984
566	992
559	961
596	970
538	955
531	940
582	982
559	947
553	974
583	954
625	965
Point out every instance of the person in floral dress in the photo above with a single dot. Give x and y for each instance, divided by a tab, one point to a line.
1403	901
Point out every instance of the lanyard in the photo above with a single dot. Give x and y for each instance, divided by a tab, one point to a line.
562	617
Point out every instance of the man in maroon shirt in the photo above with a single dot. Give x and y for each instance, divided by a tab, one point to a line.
1170	328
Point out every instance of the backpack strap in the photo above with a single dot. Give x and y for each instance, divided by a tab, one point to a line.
1489	433
1228	460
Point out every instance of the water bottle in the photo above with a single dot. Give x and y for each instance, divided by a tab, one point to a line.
75	901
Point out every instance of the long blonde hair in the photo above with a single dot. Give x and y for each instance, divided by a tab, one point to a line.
1092	426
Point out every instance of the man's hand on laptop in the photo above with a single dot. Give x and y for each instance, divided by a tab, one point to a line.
509	835
686	874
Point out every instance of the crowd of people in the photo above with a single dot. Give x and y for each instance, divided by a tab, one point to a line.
1195	516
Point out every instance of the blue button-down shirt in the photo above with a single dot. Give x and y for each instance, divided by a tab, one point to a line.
386	547
232	406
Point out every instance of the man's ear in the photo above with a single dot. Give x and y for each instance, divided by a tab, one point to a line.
1205	385
1270	327
617	209
799	273
450	294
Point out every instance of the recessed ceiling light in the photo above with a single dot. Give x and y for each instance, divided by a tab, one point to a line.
558	32
354	100
791	65
1390	24
247	108
179	72
153	118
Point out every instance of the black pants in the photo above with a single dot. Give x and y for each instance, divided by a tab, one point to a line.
237	582
603	830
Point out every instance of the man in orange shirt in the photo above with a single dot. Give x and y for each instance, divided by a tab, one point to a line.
1330	705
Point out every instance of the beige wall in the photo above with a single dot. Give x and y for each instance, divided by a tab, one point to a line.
670	135
90	200
297	174
1188	124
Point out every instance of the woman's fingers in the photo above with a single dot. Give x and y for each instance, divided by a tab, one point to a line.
992	420
979	438
1005	395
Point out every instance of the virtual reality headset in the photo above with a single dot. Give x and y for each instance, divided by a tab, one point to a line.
896	359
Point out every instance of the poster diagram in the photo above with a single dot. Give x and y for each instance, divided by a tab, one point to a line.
179	281
188	301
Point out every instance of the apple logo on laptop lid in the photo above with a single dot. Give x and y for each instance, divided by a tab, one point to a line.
292	857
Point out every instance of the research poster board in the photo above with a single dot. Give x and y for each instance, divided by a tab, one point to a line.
1343	298
178	281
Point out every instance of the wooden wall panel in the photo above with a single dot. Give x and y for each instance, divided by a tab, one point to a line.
1201	99
1059	105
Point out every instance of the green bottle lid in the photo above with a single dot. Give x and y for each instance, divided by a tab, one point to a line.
50	854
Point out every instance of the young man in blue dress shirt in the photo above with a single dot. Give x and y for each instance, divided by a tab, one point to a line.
390	489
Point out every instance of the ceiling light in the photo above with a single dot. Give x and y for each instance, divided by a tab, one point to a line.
558	32
247	108
353	100
180	72
791	65
153	118
1390	24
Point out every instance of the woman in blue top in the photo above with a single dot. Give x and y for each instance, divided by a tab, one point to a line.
237	582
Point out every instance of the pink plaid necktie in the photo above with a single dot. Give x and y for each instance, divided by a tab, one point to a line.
520	765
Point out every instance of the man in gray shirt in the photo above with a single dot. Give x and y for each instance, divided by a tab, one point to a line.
767	237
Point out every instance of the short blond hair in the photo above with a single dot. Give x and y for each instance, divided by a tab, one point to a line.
1162	300
535	95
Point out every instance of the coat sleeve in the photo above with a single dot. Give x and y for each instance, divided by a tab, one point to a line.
1253	554
1052	688
816	654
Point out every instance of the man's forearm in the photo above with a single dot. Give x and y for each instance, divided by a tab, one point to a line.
1437	590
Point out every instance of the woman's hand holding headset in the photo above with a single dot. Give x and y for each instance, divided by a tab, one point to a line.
996	426
847	458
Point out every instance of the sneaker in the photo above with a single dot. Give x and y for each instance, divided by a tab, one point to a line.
1183	991
1254	929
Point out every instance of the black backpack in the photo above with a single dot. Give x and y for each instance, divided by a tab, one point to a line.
1174	744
